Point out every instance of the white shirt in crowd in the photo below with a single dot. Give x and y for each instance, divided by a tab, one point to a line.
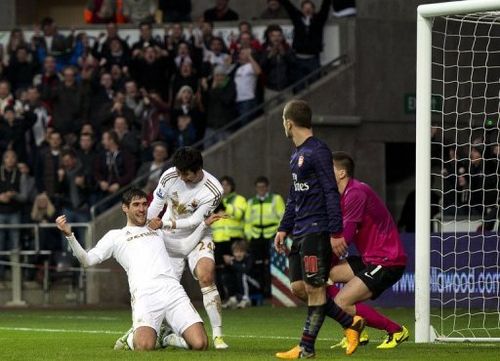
245	79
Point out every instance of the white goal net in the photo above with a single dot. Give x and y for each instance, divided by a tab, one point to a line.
464	279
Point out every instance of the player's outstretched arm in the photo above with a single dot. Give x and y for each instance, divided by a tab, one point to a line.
86	259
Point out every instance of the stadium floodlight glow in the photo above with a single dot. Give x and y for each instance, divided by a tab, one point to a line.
454	44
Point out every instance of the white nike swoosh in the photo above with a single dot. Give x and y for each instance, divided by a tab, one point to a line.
309	275
368	275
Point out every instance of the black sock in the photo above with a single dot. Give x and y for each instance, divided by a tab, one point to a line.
314	321
338	314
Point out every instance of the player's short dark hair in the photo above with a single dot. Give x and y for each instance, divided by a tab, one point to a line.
230	181
131	194
262	179
187	159
343	160
299	112
239	245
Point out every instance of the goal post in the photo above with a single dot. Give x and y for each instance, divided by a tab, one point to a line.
426	16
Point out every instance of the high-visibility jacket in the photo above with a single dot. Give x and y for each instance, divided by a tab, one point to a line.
232	227
263	216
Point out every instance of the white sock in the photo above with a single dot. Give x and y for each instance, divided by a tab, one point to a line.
212	303
175	341
130	340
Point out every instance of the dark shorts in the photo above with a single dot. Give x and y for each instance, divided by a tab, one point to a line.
377	278
310	259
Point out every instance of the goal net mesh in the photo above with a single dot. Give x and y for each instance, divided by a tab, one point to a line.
465	258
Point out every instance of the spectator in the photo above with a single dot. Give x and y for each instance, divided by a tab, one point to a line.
69	102
151	69
10	207
16	40
277	62
47	165
52	43
22	69
135	102
174	11
156	112
82	51
42	118
245	40
221	12
219	99
27	191
274	10
216	55
44	212
185	77
174	35
245	79
187	104
230	229
184	134
145	37
128	140
155	167
70	190
87	155
100	11
114	167
7	99
239	277
48	82
138	11
116	54
307	33
103	100
262	218
102	47
13	131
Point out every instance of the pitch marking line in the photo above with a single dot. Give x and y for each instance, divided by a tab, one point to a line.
109	332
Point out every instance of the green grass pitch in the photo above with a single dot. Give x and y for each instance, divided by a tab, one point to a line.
252	334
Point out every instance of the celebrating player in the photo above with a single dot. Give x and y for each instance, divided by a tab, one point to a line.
191	194
370	227
156	294
313	217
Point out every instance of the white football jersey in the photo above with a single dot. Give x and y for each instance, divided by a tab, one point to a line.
142	254
188	204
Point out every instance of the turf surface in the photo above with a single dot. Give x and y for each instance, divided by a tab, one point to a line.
253	334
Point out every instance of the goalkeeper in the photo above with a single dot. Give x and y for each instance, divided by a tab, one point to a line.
370	227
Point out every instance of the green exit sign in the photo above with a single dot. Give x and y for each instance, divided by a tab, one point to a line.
411	103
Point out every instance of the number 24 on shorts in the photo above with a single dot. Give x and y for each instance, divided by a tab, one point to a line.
208	245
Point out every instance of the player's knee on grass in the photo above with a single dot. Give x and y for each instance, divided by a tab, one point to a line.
196	337
144	339
299	290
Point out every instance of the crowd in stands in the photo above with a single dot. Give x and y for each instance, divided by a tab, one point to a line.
79	116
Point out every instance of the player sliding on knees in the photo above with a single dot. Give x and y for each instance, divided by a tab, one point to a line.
156	293
190	194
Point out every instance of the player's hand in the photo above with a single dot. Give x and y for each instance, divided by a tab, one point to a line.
155	223
214	217
63	226
279	242
339	246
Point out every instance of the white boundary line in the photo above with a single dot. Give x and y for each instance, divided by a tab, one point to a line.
109	332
